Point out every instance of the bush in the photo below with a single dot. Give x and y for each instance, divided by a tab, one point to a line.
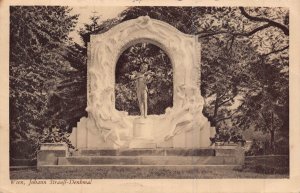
259	147
227	136
55	135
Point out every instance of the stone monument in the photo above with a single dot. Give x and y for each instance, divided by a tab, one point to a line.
142	135
182	126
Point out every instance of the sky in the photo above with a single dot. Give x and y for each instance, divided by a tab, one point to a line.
86	12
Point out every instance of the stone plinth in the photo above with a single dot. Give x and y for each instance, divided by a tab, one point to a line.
142	133
49	153
154	157
148	152
148	160
232	150
142	144
142	128
54	146
162	157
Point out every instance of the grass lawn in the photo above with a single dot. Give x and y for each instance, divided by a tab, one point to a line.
135	173
255	167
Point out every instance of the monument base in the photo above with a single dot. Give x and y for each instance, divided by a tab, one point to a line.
181	157
142	134
142	144
142	128
156	131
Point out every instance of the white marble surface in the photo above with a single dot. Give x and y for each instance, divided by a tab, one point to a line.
183	125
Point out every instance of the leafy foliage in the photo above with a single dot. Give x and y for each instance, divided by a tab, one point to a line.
228	135
160	86
39	46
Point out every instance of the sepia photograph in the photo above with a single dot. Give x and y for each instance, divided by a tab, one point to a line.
148	92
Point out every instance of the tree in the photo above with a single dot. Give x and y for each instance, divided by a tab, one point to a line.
225	78
95	26
266	107
38	40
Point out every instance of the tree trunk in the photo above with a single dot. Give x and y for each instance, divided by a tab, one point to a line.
272	134
272	140
214	121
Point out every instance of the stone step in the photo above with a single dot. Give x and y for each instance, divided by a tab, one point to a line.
147	152
148	160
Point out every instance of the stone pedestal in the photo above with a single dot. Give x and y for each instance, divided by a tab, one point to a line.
231	150
142	133
142	128
49	153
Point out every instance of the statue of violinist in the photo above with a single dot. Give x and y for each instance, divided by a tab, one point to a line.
142	78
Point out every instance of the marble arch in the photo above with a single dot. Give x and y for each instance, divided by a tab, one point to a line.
183	125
